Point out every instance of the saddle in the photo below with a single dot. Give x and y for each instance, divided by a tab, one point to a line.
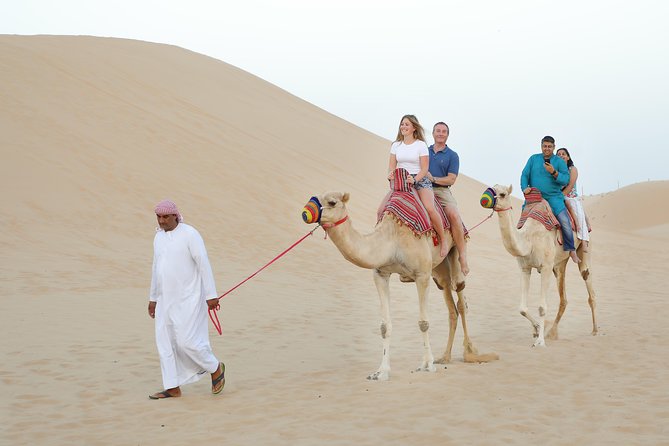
538	209
405	206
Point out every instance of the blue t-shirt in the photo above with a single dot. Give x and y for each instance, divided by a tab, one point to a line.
535	175
443	162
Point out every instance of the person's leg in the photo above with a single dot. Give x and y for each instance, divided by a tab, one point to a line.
458	232
164	342
570	207
567	235
427	198
450	206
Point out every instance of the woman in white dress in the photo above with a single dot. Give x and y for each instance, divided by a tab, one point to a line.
573	201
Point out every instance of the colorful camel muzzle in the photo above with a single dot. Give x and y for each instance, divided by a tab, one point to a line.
488	199
311	213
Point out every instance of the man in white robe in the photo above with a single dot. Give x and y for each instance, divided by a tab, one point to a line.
182	289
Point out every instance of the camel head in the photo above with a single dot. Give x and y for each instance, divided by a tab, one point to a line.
502	196
326	209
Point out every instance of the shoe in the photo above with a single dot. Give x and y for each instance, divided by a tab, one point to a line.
215	389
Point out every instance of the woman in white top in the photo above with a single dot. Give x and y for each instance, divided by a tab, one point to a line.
573	201
409	151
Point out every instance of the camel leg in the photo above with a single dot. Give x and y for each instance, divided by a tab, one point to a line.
422	284
559	271
442	278
545	283
584	268
471	353
381	280
524	292
452	326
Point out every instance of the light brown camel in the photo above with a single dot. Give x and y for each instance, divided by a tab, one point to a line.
393	248
535	247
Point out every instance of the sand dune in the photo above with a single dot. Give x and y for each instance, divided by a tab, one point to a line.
635	208
95	131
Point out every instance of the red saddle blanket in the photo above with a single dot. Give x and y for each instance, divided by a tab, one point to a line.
538	209
404	204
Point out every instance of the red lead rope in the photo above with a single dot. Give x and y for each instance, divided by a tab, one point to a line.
212	312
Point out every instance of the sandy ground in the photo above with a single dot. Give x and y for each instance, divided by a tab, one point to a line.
94	132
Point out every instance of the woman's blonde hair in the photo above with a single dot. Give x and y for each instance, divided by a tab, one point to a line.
418	132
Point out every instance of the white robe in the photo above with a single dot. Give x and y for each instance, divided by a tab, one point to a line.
181	283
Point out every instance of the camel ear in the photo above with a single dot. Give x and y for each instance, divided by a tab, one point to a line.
344	198
510	188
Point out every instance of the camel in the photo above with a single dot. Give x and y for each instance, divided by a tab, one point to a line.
535	247
393	248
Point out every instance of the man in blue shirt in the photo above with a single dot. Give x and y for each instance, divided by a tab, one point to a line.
443	171
549	173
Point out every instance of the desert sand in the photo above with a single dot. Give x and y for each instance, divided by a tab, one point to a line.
95	131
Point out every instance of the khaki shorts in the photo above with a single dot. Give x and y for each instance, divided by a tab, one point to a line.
445	196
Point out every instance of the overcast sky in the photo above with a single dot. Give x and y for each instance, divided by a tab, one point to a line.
593	74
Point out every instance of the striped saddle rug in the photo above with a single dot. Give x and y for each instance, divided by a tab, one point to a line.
406	207
538	210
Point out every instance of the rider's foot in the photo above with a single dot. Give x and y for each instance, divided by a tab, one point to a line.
443	250
464	267
574	257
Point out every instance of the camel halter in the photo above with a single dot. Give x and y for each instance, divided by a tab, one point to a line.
489	201
327	226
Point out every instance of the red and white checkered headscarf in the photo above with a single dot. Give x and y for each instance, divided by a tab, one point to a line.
167	207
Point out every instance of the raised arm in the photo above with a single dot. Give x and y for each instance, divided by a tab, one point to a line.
563	172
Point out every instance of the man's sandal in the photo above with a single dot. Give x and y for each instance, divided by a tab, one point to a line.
161	395
215	389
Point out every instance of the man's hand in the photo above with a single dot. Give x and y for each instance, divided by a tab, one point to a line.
550	169
152	309
212	303
410	179
430	177
526	190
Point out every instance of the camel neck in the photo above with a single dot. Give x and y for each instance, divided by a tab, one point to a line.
361	250
510	235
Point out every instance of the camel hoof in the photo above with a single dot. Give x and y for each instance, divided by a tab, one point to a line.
427	368
379	376
595	332
539	343
443	360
